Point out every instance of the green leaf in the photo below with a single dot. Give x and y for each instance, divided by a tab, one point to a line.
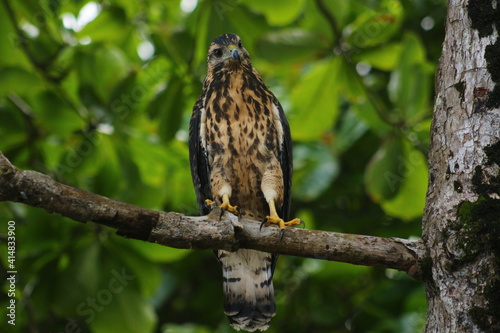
111	66
413	50
147	275
169	103
126	98
130	7
178	46
289	45
56	116
155	252
122	308
384	57
314	20
137	191
17	80
12	135
421	131
12	54
110	26
129	313
410	200
52	152
315	101
315	169
48	234
72	7
278	12
366	112
383	174
43	45
82	157
248	24
102	68
134	93
71	85
186	328
180	192
410	84
350	130
101	285
82	274
346	274
108	180
150	159
352	86
374	27
198	26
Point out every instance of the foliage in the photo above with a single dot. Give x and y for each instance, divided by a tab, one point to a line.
98	95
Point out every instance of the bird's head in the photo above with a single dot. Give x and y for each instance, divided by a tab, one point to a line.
227	52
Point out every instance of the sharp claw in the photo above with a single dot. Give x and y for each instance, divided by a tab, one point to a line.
262	223
303	223
282	233
240	212
222	210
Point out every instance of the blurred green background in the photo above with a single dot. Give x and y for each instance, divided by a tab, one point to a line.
98	95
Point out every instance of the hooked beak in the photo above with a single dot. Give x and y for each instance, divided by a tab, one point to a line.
235	55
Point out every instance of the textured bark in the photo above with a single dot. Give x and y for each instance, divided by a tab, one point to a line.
461	227
204	232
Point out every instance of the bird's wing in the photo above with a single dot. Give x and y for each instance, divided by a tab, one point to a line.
286	162
198	158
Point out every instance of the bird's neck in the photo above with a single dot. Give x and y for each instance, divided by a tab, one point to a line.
226	75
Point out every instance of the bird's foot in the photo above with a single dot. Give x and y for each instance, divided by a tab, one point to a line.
224	207
281	223
227	207
209	203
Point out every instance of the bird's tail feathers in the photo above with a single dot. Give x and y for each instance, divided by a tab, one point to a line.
248	288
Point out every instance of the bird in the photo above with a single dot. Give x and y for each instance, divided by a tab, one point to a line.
240	152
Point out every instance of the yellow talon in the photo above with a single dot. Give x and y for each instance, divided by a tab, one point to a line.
273	218
209	203
280	222
227	206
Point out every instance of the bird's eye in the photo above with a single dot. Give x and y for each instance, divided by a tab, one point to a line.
218	53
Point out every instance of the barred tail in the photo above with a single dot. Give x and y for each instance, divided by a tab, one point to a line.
248	288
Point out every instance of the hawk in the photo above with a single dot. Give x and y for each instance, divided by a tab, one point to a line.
241	158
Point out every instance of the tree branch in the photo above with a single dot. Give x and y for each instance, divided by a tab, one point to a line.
204	232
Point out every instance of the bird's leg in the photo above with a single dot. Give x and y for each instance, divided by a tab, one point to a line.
274	218
226	206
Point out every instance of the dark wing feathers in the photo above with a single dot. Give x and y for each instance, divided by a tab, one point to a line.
286	161
198	159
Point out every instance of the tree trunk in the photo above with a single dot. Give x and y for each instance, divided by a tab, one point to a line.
461	225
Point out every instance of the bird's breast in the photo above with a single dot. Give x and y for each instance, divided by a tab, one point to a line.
241	140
